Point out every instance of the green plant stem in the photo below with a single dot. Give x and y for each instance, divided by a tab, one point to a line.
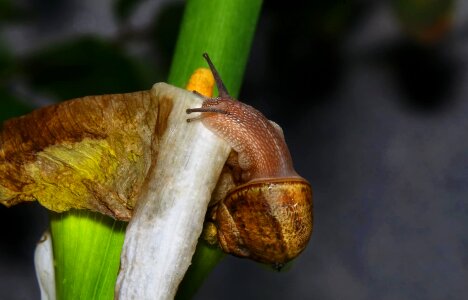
87	245
87	250
223	29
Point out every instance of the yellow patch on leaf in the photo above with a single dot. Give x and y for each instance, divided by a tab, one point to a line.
63	173
87	153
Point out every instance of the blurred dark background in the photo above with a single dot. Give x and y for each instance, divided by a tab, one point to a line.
372	99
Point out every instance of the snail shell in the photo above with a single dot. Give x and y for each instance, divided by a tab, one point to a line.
269	221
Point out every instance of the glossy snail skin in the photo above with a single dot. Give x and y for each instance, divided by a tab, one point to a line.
268	218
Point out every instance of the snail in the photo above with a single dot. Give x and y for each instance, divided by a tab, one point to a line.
97	152
268	217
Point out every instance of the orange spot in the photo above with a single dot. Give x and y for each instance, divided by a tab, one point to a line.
202	81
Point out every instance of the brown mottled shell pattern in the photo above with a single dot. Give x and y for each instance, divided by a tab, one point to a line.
270	222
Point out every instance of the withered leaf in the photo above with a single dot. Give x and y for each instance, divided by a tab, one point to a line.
91	152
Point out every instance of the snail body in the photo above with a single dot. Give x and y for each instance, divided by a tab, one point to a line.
268	217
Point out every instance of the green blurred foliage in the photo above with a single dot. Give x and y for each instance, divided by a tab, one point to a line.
124	8
333	18
7	62
14	11
164	31
428	20
7	10
326	26
87	66
10	106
